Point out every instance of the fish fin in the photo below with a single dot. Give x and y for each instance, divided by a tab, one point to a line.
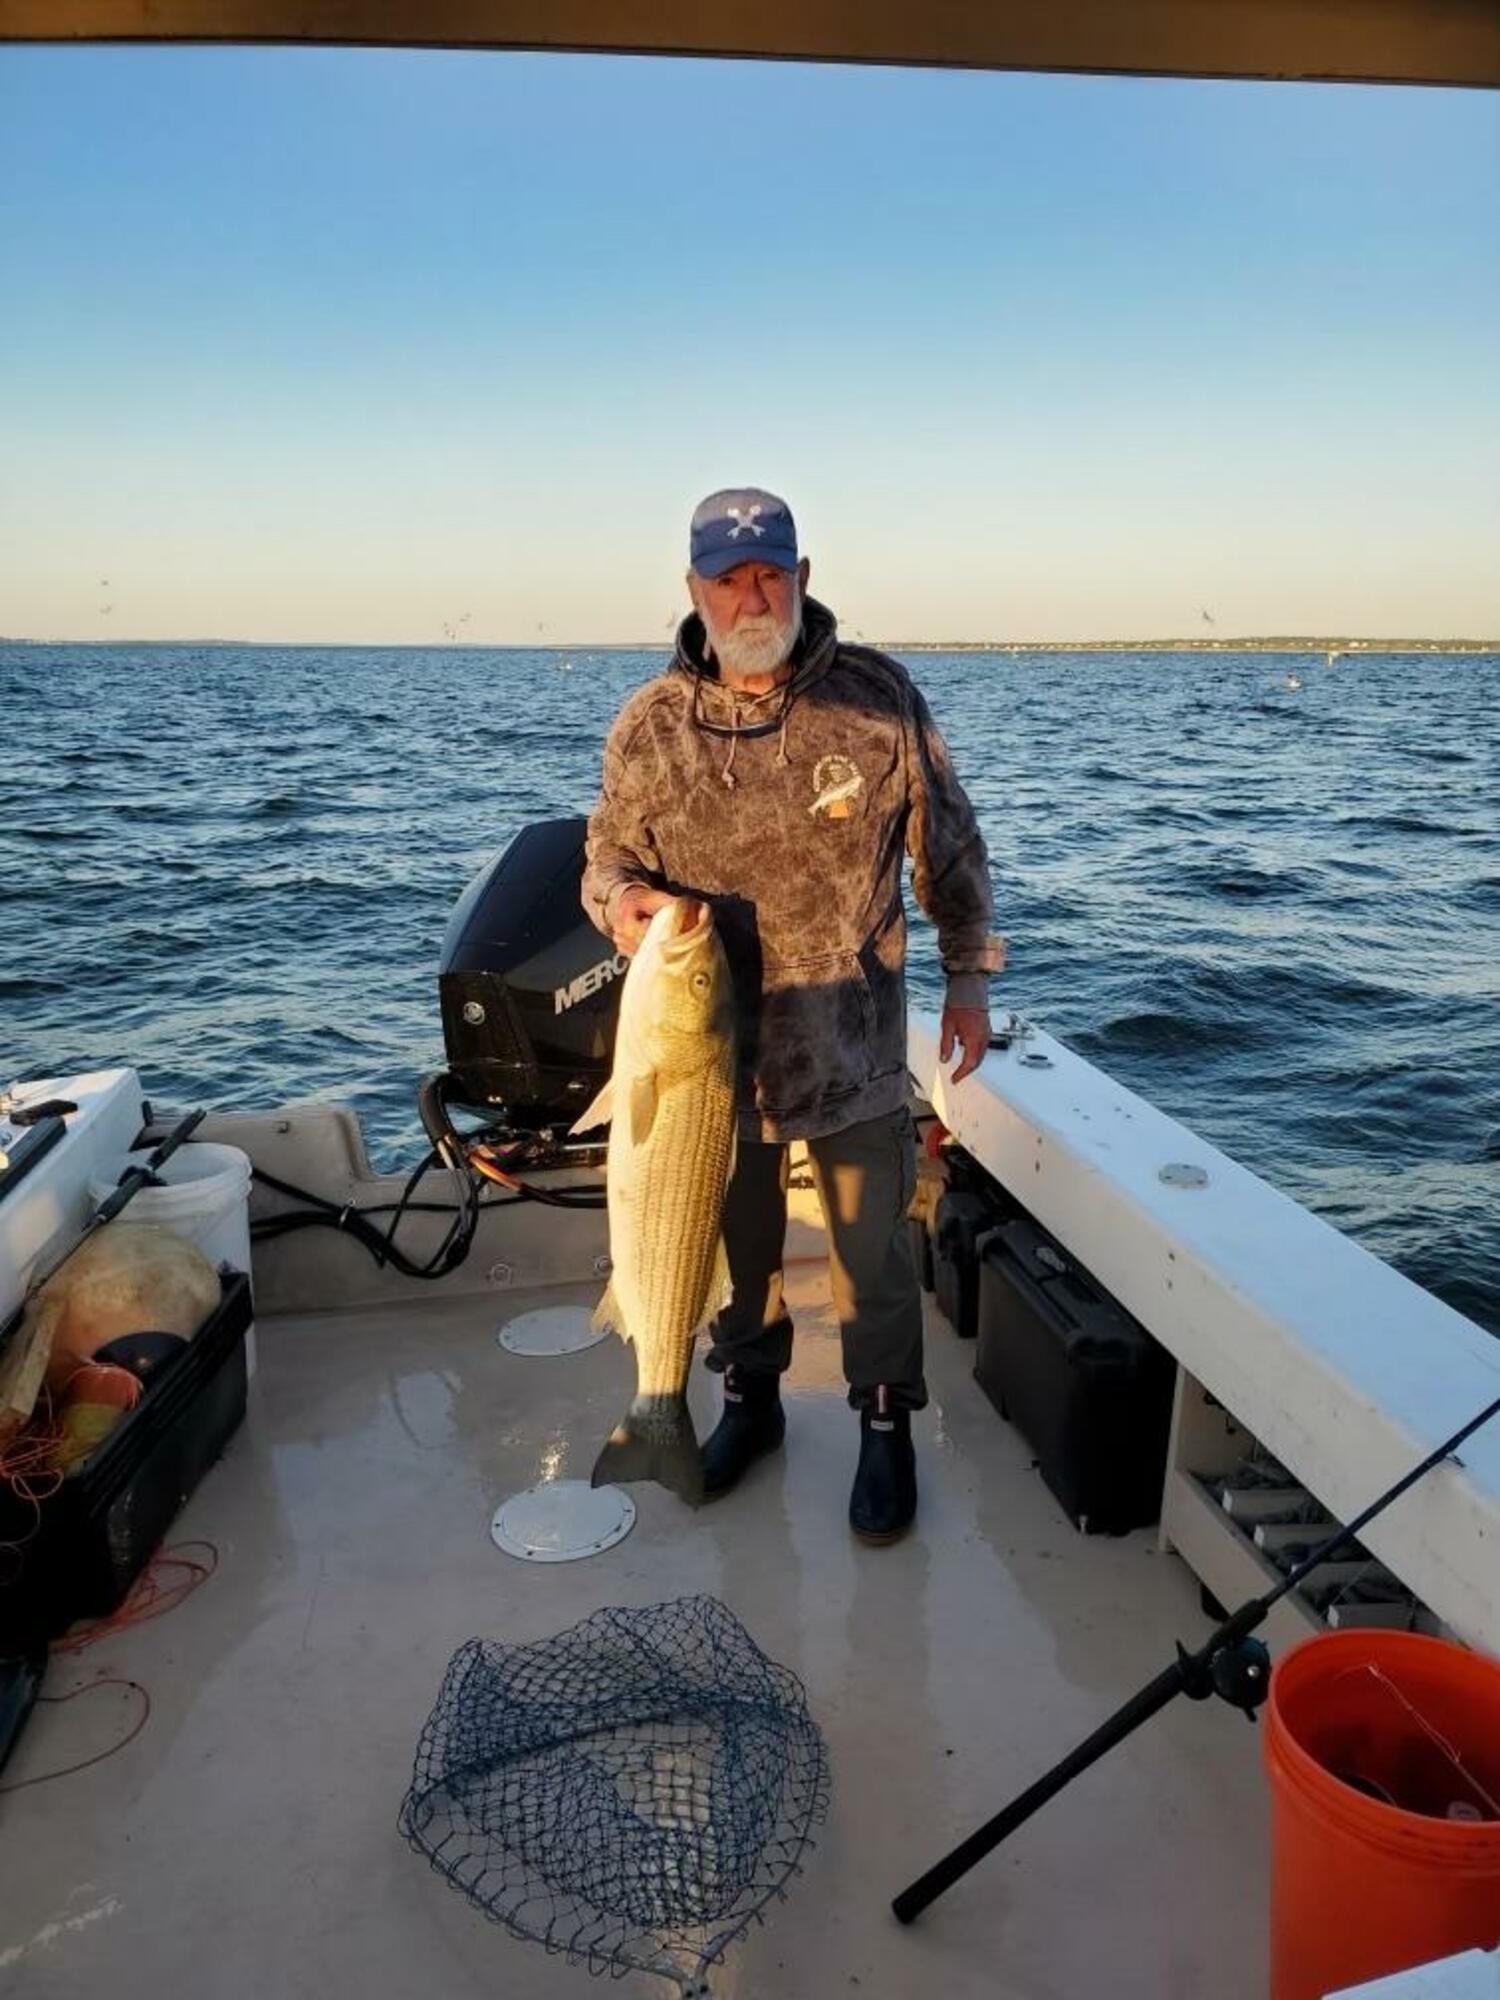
642	1107
607	1316
600	1112
654	1439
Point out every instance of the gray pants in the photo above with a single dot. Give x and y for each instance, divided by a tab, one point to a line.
865	1177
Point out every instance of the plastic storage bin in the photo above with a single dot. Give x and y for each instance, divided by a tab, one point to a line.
1084	1383
97	1531
963	1220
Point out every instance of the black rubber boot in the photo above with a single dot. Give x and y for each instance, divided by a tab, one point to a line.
883	1504
753	1423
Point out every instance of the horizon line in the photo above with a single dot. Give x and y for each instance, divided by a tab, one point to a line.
1249	642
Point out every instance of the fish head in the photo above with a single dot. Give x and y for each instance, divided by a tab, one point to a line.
678	994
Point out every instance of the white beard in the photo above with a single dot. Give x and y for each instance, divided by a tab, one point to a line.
755	645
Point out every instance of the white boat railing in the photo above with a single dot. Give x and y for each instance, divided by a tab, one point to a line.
1345	1371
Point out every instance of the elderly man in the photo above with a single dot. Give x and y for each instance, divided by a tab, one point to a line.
780	773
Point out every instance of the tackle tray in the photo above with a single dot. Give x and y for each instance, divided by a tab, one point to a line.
98	1529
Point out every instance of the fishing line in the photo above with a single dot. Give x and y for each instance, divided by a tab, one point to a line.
85	1763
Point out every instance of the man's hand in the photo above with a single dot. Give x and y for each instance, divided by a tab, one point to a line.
969	1029
635	906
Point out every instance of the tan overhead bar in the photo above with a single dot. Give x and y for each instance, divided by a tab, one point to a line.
1351	41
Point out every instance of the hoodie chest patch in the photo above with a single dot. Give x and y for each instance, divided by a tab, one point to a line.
837	785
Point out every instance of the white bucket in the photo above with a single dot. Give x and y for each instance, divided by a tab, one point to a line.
206	1198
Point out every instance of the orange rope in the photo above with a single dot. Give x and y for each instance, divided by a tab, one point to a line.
28	1466
148	1597
27	1460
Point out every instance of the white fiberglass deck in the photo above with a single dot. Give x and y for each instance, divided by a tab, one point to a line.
245	1843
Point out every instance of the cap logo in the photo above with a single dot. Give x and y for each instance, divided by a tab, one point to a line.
741	524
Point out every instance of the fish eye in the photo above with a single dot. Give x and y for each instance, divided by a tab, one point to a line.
700	981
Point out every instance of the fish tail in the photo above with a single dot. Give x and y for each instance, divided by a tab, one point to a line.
654	1439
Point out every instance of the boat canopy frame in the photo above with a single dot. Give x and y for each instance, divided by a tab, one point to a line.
1446	42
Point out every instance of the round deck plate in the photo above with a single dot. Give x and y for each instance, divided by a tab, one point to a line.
551	1330
562	1520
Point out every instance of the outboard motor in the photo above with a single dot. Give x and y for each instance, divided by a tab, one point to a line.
530	990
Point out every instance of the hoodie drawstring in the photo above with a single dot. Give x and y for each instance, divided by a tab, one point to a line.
727	774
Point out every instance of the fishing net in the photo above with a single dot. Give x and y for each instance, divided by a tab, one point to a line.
632	1792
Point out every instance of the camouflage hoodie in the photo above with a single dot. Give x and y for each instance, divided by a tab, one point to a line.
796	835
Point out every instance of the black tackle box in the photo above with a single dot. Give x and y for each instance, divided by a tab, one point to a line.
1084	1383
77	1555
963	1220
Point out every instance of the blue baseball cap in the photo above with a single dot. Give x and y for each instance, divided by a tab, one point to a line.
741	524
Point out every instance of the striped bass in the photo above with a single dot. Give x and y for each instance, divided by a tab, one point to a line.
670	1104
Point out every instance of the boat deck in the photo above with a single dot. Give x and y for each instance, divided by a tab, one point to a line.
245	1842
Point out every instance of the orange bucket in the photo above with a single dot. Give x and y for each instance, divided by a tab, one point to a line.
1383	1750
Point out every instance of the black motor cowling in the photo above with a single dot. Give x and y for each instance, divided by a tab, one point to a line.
530	990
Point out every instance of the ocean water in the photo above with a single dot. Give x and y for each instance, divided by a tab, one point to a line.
1273	911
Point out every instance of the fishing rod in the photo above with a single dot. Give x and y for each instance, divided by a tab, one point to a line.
1229	1664
135	1178
130	1184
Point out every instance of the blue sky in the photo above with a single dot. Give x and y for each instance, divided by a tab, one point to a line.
345	345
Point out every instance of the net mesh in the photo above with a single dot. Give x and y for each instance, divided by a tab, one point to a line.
632	1792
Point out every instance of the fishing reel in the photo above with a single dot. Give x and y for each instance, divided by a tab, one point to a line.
1239	1673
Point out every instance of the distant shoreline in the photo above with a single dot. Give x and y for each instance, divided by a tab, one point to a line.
1341	647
